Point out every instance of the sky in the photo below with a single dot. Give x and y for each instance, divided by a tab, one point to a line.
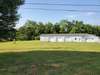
55	16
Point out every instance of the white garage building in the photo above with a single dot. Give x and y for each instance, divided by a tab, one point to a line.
69	38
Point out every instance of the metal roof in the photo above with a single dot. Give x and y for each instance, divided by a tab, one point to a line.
76	34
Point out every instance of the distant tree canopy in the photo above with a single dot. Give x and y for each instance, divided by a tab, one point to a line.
8	18
31	30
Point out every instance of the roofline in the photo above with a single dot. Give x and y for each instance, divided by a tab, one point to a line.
68	34
83	34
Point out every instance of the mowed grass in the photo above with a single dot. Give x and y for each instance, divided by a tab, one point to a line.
45	46
50	63
45	58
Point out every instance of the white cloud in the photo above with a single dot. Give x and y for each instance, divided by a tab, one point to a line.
90	13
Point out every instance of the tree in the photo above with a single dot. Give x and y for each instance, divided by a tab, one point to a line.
41	27
48	28
8	17
32	30
63	26
56	28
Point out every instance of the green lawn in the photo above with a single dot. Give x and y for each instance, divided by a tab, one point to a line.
50	63
45	58
37	45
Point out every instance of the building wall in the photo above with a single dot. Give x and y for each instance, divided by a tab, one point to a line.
43	38
52	39
60	39
69	39
93	39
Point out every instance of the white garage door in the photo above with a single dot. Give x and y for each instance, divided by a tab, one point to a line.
60	39
52	39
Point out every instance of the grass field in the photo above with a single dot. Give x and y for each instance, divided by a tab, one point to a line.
42	58
37	45
50	63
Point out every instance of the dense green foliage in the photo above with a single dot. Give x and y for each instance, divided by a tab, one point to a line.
8	18
32	30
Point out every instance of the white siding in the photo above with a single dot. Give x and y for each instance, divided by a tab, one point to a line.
60	39
43	38
77	39
52	39
70	38
93	39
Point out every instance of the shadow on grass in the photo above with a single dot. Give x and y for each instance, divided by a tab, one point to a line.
50	63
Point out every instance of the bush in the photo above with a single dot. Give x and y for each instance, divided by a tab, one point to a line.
37	38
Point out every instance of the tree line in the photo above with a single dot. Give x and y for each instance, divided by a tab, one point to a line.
31	30
8	17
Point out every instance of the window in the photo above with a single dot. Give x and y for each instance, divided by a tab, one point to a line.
75	38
